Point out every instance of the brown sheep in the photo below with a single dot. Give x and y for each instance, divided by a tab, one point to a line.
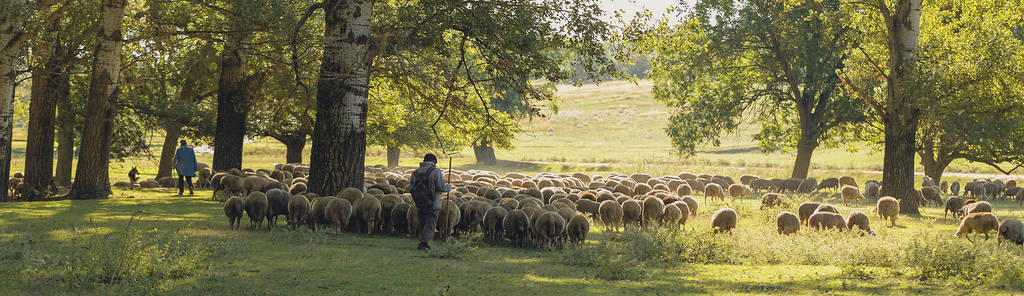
690	203
254	183
298	188
771	200
713	190
298	210
931	193
807	185
977	223
256	208
847	180
350	194
888	208
472	216
338	213
448	218
366	214
684	190
826	220
806	209
652	209
684	212
954	188
670	215
548	229
1011	230
724	220
577	229
230	183
233	208
611	215
516	226
747	179
412	217
387	204
739	191
632	213
871	190
493	222
976	207
787	223
829	183
850	193
587	206
399	219
860	220
953	205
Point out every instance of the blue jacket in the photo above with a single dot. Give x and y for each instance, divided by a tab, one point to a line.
436	182
185	161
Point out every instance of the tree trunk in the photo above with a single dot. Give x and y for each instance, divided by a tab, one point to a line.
484	153
232	107
294	148
173	132
46	81
339	134
65	136
804	150
11	27
394	153
934	160
92	175
901	117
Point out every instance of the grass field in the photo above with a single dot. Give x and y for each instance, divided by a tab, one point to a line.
155	242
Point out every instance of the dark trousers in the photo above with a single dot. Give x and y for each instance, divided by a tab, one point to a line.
181	184
428	219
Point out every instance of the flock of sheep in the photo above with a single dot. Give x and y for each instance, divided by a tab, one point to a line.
548	210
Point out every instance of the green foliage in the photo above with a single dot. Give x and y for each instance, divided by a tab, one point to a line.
455	248
606	260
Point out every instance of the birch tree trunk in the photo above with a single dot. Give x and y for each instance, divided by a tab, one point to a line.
901	116
11	42
339	134
92	174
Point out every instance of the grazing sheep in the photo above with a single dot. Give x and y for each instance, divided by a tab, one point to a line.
747	179
977	223
256	208
872	190
298	188
759	185
684	190
807	185
931	193
577	229
277	204
955	188
388	204
652	209
203	176
944	186
684	212
739	191
587	206
254	183
976	207
448	218
826	220
350	194
632	213
888	208
549	229
472	216
691	203
829	183
860	220
850	193
724	220
806	209
611	215
412	219
516	226
642	189
366	214
233	208
953	205
1011	192
492	223
399	221
713	190
317	206
847	180
670	215
298	210
993	189
230	183
771	200
787	223
1011	230
826	208
1020	197
338	213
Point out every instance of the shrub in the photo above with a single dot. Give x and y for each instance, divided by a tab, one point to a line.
606	260
454	248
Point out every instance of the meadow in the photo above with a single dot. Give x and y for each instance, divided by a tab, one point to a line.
149	241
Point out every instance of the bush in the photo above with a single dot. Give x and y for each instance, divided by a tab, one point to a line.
606	260
673	245
938	257
454	248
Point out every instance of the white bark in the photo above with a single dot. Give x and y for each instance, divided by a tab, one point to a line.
11	27
909	36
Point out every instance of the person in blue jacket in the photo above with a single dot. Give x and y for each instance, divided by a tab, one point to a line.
185	164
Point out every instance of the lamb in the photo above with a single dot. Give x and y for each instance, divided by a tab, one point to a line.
233	208
492	222
724	220
516	226
577	229
670	215
337	213
806	209
739	191
1011	230
860	220
953	205
931	193
787	223
713	190
771	200
826	220
399	221
977	223
256	208
298	210
850	193
652	209
632	213
277	202
888	208
611	215
847	180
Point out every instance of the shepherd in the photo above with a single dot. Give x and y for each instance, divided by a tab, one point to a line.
185	164
426	185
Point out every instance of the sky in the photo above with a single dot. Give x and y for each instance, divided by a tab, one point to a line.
633	6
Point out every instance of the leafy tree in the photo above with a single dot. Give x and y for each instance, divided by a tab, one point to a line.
771	62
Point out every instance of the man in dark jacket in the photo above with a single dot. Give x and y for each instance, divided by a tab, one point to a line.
433	184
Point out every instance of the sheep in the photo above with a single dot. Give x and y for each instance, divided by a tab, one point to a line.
549	229
516	226
953	205
611	215
1011	230
316	212
298	188
254	183
787	223
976	207
826	208
760	184
888	208
807	185
399	221
388	204
690	203
670	215
931	193
256	208
977	223
1020	197
366	214
871	190
954	188
587	206
1011	184
826	220
739	191
203	176
1011	192
805	210
448	217
412	219
338	213
944	186
277	204
632	213
713	190
168	182
771	200
860	220
747	179
850	193
652	209
577	229
724	220
233	208
492	222
472	216
684	190
684	212
847	180
993	189
829	183
350	194
230	183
